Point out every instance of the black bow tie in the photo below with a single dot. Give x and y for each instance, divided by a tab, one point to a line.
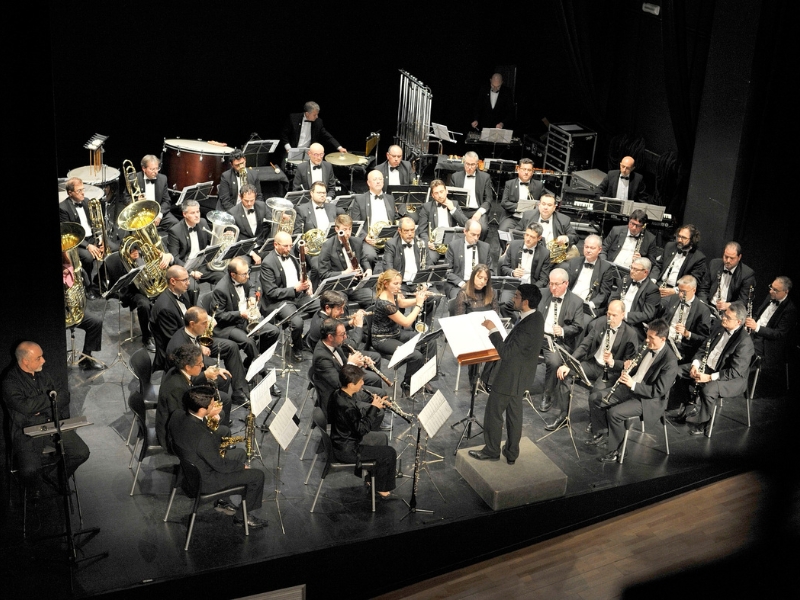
525	183
315	167
470	176
557	300
544	221
613	331
682	253
626	178
775	302
282	257
408	245
150	181
378	197
727	272
651	352
192	229
319	208
392	168
588	266
526	251
250	211
471	247
78	204
635	283
238	285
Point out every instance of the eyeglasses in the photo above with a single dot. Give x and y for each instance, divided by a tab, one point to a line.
776	290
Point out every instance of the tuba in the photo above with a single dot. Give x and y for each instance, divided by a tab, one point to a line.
225	233
283	215
374	230
138	219
72	235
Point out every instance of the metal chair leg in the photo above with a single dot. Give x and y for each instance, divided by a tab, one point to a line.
319	487
313	462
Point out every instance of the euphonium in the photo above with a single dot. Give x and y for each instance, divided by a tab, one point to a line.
225	233
283	215
98	222
374	230
138	219
72	235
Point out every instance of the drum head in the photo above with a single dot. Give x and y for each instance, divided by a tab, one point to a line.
197	147
95	176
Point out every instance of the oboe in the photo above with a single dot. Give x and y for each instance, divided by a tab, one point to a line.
389	405
634	362
606	348
370	365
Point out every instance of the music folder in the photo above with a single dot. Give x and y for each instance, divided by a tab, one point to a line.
469	339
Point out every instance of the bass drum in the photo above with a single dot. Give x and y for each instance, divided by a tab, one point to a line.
188	162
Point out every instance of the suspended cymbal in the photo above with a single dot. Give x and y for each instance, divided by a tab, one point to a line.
342	158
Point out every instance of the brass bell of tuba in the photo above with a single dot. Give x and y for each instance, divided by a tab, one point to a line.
283	215
138	219
72	235
224	233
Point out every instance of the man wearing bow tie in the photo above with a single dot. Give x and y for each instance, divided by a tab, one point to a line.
620	245
281	281
334	260
641	392
679	258
76	210
463	254
439	212
772	323
555	226
728	279
230	189
528	259
688	318
317	214
252	219
494	108
640	296
155	187
591	277
314	170
373	206
624	184
395	170
306	128
479	186
521	189
187	238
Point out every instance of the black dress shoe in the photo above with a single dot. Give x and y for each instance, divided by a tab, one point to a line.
697	429
428	389
547	402
510	461
405	387
555	423
275	390
90	365
150	345
479	455
297	356
612	456
596	440
253	522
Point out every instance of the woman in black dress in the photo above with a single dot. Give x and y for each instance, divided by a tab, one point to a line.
477	295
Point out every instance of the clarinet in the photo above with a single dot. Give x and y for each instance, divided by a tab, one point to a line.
702	369
717	295
389	405
681	310
750	307
370	365
591	291
555	317
634	362
606	348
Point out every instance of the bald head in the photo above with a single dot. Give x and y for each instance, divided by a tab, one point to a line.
394	156
29	357
615	312
626	165
496	81
316	152
375	182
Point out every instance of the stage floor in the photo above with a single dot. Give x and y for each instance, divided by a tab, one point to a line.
143	549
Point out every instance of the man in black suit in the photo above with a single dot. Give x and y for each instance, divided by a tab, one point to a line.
155	187
313	170
317	214
373	206
333	306
561	310
252	219
463	254
439	212
187	238
689	318
481	193
596	360
75	210
26	393
515	190
727	355
395	170
772	323
334	260
590	277
679	258
166	315
306	128
494	108
640	295
728	279
188	372
528	258
555	226
234	298
282	282
195	325
642	392
620	245
624	184
230	183
329	358
514	376
192	443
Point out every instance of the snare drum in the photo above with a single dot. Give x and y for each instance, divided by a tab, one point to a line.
99	176
187	162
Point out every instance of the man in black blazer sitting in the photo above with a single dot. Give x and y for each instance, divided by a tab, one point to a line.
75	210
640	295
623	183
187	238
728	279
230	183
627	242
771	325
689	318
463	254
306	128
316	168
334	260
253	220
555	226
155	186
481	193
522	188
681	257
591	278
373	206
395	170
440	211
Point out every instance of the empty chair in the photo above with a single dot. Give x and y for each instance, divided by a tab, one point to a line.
146	435
143	370
755	371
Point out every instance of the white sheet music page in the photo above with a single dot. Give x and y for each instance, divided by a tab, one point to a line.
404	351
260	362
283	428
423	376
260	396
435	414
465	333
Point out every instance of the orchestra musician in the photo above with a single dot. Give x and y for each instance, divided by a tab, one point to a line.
689	319
282	282
528	259
522	188
591	277
166	314
351	435
306	128
494	108
771	325
640	295
440	212
395	170
623	183
230	188
334	259
642	392
252	217
555	226
728	279
154	186
479	185
26	393
373	206
463	254
513	377
620	245
681	257
74	210
317	214
187	238
315	169
333	306
90	324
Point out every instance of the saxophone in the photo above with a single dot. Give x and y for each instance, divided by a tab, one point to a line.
228	441
634	362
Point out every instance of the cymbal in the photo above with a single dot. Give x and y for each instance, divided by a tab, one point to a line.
342	158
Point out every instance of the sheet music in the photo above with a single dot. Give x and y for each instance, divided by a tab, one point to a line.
404	351
260	396
283	427
423	375
260	362
435	414
465	333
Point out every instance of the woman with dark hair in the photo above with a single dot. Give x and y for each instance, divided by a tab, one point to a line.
477	295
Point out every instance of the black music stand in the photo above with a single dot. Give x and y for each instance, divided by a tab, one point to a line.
476	359
198	191
118	286
259	150
410	196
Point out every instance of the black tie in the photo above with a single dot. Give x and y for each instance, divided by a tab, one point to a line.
526	251
652	352
379	197
624	177
238	285
150	181
557	300
525	183
315	167
192	229
635	283
470	176
283	257
544	221
588	266
408	245
320	207
682	253
250	211
775	302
